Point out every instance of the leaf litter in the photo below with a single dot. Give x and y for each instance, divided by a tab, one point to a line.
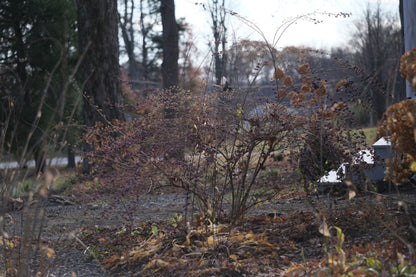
299	243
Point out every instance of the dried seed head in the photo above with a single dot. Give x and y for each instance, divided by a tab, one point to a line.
304	69
288	81
306	88
278	73
340	84
321	91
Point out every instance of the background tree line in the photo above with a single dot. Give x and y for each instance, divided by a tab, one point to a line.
57	54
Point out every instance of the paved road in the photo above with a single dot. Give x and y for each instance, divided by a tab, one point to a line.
31	163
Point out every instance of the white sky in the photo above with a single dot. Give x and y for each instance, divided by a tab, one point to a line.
268	15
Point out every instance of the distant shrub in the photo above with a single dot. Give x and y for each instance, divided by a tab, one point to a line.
226	148
227	139
361	114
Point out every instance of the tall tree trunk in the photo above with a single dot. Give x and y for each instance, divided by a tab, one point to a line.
401	95
100	69
219	30
170	74
21	63
127	31
170	69
145	32
409	20
401	20
71	153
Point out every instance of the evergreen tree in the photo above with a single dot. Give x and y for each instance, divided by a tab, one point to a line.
38	53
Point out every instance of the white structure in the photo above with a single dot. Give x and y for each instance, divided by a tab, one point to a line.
31	163
374	158
382	151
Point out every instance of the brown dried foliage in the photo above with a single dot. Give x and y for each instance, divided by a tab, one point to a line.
399	123
278	73
408	66
288	81
304	69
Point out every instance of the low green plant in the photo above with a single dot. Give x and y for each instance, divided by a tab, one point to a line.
22	188
339	263
136	231
403	269
175	220
273	172
155	230
370	134
122	231
91	253
63	183
361	114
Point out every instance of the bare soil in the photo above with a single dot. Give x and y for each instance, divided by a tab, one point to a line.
66	221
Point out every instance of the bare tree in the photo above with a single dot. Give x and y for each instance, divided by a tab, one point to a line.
189	72
219	31
250	62
127	31
170	69
378	46
142	42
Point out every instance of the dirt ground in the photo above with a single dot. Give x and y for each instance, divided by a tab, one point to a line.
66	221
62	223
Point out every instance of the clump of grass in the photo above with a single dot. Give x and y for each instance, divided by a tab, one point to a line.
22	188
370	134
63	183
60	183
273	172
